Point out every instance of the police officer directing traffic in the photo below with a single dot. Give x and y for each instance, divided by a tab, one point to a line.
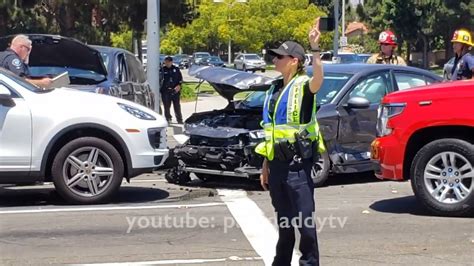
292	144
15	58
463	61
171	88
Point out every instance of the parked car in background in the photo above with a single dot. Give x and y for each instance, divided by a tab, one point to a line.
326	57
213	61
109	71
364	57
426	135
181	60
346	58
221	142
308	59
198	57
126	77
84	143
448	69
249	62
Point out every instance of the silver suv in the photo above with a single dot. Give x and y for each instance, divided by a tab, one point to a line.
250	62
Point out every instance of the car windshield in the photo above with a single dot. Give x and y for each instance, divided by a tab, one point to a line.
349	58
105	58
252	57
332	84
214	59
77	76
201	55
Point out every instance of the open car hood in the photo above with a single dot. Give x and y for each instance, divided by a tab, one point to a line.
58	51
228	82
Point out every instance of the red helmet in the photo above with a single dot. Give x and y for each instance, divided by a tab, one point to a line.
387	37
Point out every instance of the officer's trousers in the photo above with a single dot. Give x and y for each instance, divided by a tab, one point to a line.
292	194
169	98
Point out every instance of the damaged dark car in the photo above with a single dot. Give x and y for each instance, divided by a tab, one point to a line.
222	142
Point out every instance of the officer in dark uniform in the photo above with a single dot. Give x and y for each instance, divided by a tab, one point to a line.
171	89
15	59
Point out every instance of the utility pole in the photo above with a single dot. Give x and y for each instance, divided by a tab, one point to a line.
153	49
336	28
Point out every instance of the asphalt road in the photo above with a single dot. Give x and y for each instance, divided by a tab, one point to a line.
361	221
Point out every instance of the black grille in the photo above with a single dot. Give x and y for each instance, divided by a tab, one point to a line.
213	142
154	135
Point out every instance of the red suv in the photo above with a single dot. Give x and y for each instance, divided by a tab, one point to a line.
427	135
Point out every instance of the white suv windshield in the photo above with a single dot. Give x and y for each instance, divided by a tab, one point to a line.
252	57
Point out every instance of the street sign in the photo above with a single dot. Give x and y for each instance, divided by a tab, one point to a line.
343	41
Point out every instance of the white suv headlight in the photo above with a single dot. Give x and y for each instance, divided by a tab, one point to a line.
136	112
384	113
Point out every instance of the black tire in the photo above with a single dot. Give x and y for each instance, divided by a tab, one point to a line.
321	169
430	152
263	70
110	186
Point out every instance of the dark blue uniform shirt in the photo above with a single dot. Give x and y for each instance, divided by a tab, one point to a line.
11	61
171	78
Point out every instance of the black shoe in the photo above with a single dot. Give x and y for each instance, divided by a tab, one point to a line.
180	122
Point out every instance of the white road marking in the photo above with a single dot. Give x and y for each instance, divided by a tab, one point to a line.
110	208
163	262
259	231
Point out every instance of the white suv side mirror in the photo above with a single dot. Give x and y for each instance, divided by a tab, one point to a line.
6	97
4	90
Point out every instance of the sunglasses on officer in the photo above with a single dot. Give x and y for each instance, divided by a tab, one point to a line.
280	57
28	48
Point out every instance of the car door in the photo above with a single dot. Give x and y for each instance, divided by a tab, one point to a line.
123	76
357	126
15	133
138	80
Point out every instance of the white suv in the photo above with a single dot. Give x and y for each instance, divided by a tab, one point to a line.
84	143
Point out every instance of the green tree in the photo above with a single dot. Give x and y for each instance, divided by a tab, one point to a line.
251	27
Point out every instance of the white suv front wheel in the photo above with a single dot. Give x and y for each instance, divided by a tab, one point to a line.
87	170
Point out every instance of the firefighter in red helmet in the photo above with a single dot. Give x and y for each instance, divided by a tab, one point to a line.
388	44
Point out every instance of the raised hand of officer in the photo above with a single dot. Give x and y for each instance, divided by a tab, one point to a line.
314	36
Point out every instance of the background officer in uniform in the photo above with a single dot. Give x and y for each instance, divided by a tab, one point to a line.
388	44
16	57
171	88
290	112
463	60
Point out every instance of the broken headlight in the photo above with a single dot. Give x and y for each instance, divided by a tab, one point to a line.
384	113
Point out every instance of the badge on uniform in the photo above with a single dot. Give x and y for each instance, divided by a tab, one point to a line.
174	70
16	63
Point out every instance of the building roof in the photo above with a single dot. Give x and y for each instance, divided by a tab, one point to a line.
353	26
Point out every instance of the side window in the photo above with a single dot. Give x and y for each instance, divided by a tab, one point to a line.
373	88
407	80
135	68
122	74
